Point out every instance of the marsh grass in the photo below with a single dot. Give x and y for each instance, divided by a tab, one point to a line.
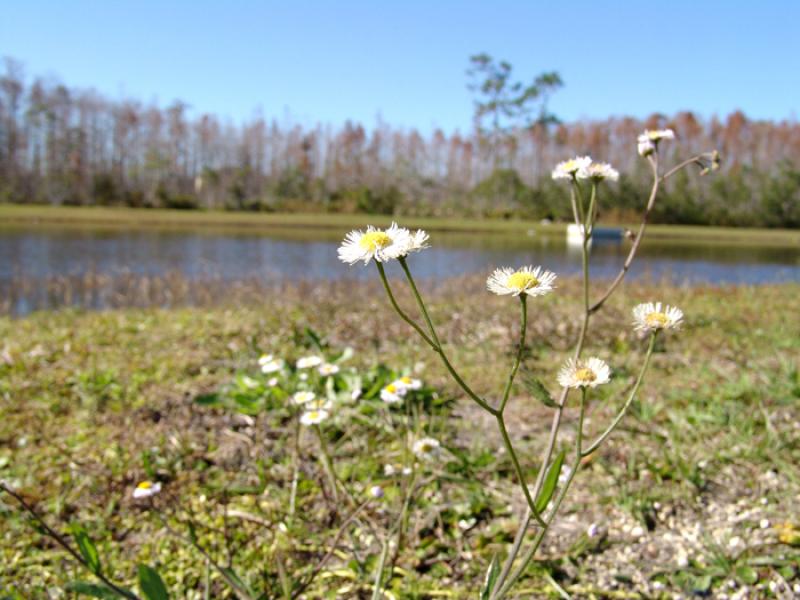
93	402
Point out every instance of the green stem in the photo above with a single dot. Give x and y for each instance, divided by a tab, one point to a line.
518	469
327	463
438	347
592	212
399	310
628	402
528	556
523	327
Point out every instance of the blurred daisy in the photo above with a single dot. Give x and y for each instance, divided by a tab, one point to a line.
527	280
569	169
652	317
598	172
327	369
426	447
581	374
407	383
303	397
273	381
380	244
376	491
249	382
355	394
318	404
308	362
656	135
270	364
392	394
146	489
645	147
314	417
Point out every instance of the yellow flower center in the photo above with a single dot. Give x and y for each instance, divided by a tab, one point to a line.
374	240
585	375
145	485
391	388
313	415
522	281
406	380
656	319
570	166
426	448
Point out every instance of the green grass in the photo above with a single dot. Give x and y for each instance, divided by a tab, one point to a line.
128	218
93	402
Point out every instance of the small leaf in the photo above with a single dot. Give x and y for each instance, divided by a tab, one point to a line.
86	547
490	579
208	399
537	390
747	575
92	590
702	584
550	482
151	584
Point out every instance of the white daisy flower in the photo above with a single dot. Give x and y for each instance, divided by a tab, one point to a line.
376	491
380	244
426	447
146	489
652	317
389	470
418	241
527	280
598	172
569	169
269	364
407	383
355	394
645	147
581	374
328	369
313	417
308	362
273	381
392	394
303	397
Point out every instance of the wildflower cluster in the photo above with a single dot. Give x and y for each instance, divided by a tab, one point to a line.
396	243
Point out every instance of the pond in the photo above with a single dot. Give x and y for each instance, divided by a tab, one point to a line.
35	261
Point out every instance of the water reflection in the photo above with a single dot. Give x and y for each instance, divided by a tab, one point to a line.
31	258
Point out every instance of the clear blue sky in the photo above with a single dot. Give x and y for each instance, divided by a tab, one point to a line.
329	61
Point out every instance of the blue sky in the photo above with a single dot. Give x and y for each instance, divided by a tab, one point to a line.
328	61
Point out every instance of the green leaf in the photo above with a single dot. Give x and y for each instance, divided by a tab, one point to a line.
550	482
92	590
208	399
86	547
747	575
537	390
702	584
151	584
491	578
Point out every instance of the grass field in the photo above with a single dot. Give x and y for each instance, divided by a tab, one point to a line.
142	218
684	499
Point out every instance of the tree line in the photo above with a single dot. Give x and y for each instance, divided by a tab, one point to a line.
67	146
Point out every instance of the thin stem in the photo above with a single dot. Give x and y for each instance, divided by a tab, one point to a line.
574	206
328	464
399	310
628	402
523	298
378	588
61	541
591	214
509	582
653	159
225	573
438	347
518	469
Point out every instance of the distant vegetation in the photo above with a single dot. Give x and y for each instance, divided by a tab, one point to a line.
66	146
